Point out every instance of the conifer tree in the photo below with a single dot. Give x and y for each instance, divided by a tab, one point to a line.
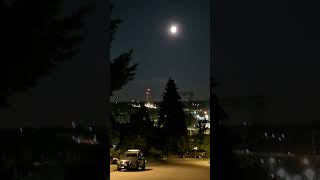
121	70
172	120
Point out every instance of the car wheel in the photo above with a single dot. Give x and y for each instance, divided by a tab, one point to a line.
144	166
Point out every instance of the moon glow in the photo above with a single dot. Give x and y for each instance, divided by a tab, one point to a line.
173	29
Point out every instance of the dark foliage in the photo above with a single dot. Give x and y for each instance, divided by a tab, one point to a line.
139	130
121	70
172	119
222	157
35	38
201	132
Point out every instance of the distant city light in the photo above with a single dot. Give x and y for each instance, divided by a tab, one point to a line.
305	161
266	134
282	135
149	105
247	151
281	172
272	175
272	160
273	136
297	177
136	105
309	173
73	124
262	161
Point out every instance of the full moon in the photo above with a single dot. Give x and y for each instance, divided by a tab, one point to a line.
173	29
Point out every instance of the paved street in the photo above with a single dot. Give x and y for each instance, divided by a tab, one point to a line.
172	169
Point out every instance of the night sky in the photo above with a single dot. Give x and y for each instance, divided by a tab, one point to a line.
76	90
185	57
269	48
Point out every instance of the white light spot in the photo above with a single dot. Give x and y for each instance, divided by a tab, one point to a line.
281	173
272	175
305	161
309	173
173	29
272	160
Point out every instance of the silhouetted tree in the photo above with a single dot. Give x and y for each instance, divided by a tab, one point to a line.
35	38
201	132
121	70
139	128
172	119
222	159
190	119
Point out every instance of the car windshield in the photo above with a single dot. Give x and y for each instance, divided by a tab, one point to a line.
131	155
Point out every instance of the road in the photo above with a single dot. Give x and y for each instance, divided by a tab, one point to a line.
172	169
